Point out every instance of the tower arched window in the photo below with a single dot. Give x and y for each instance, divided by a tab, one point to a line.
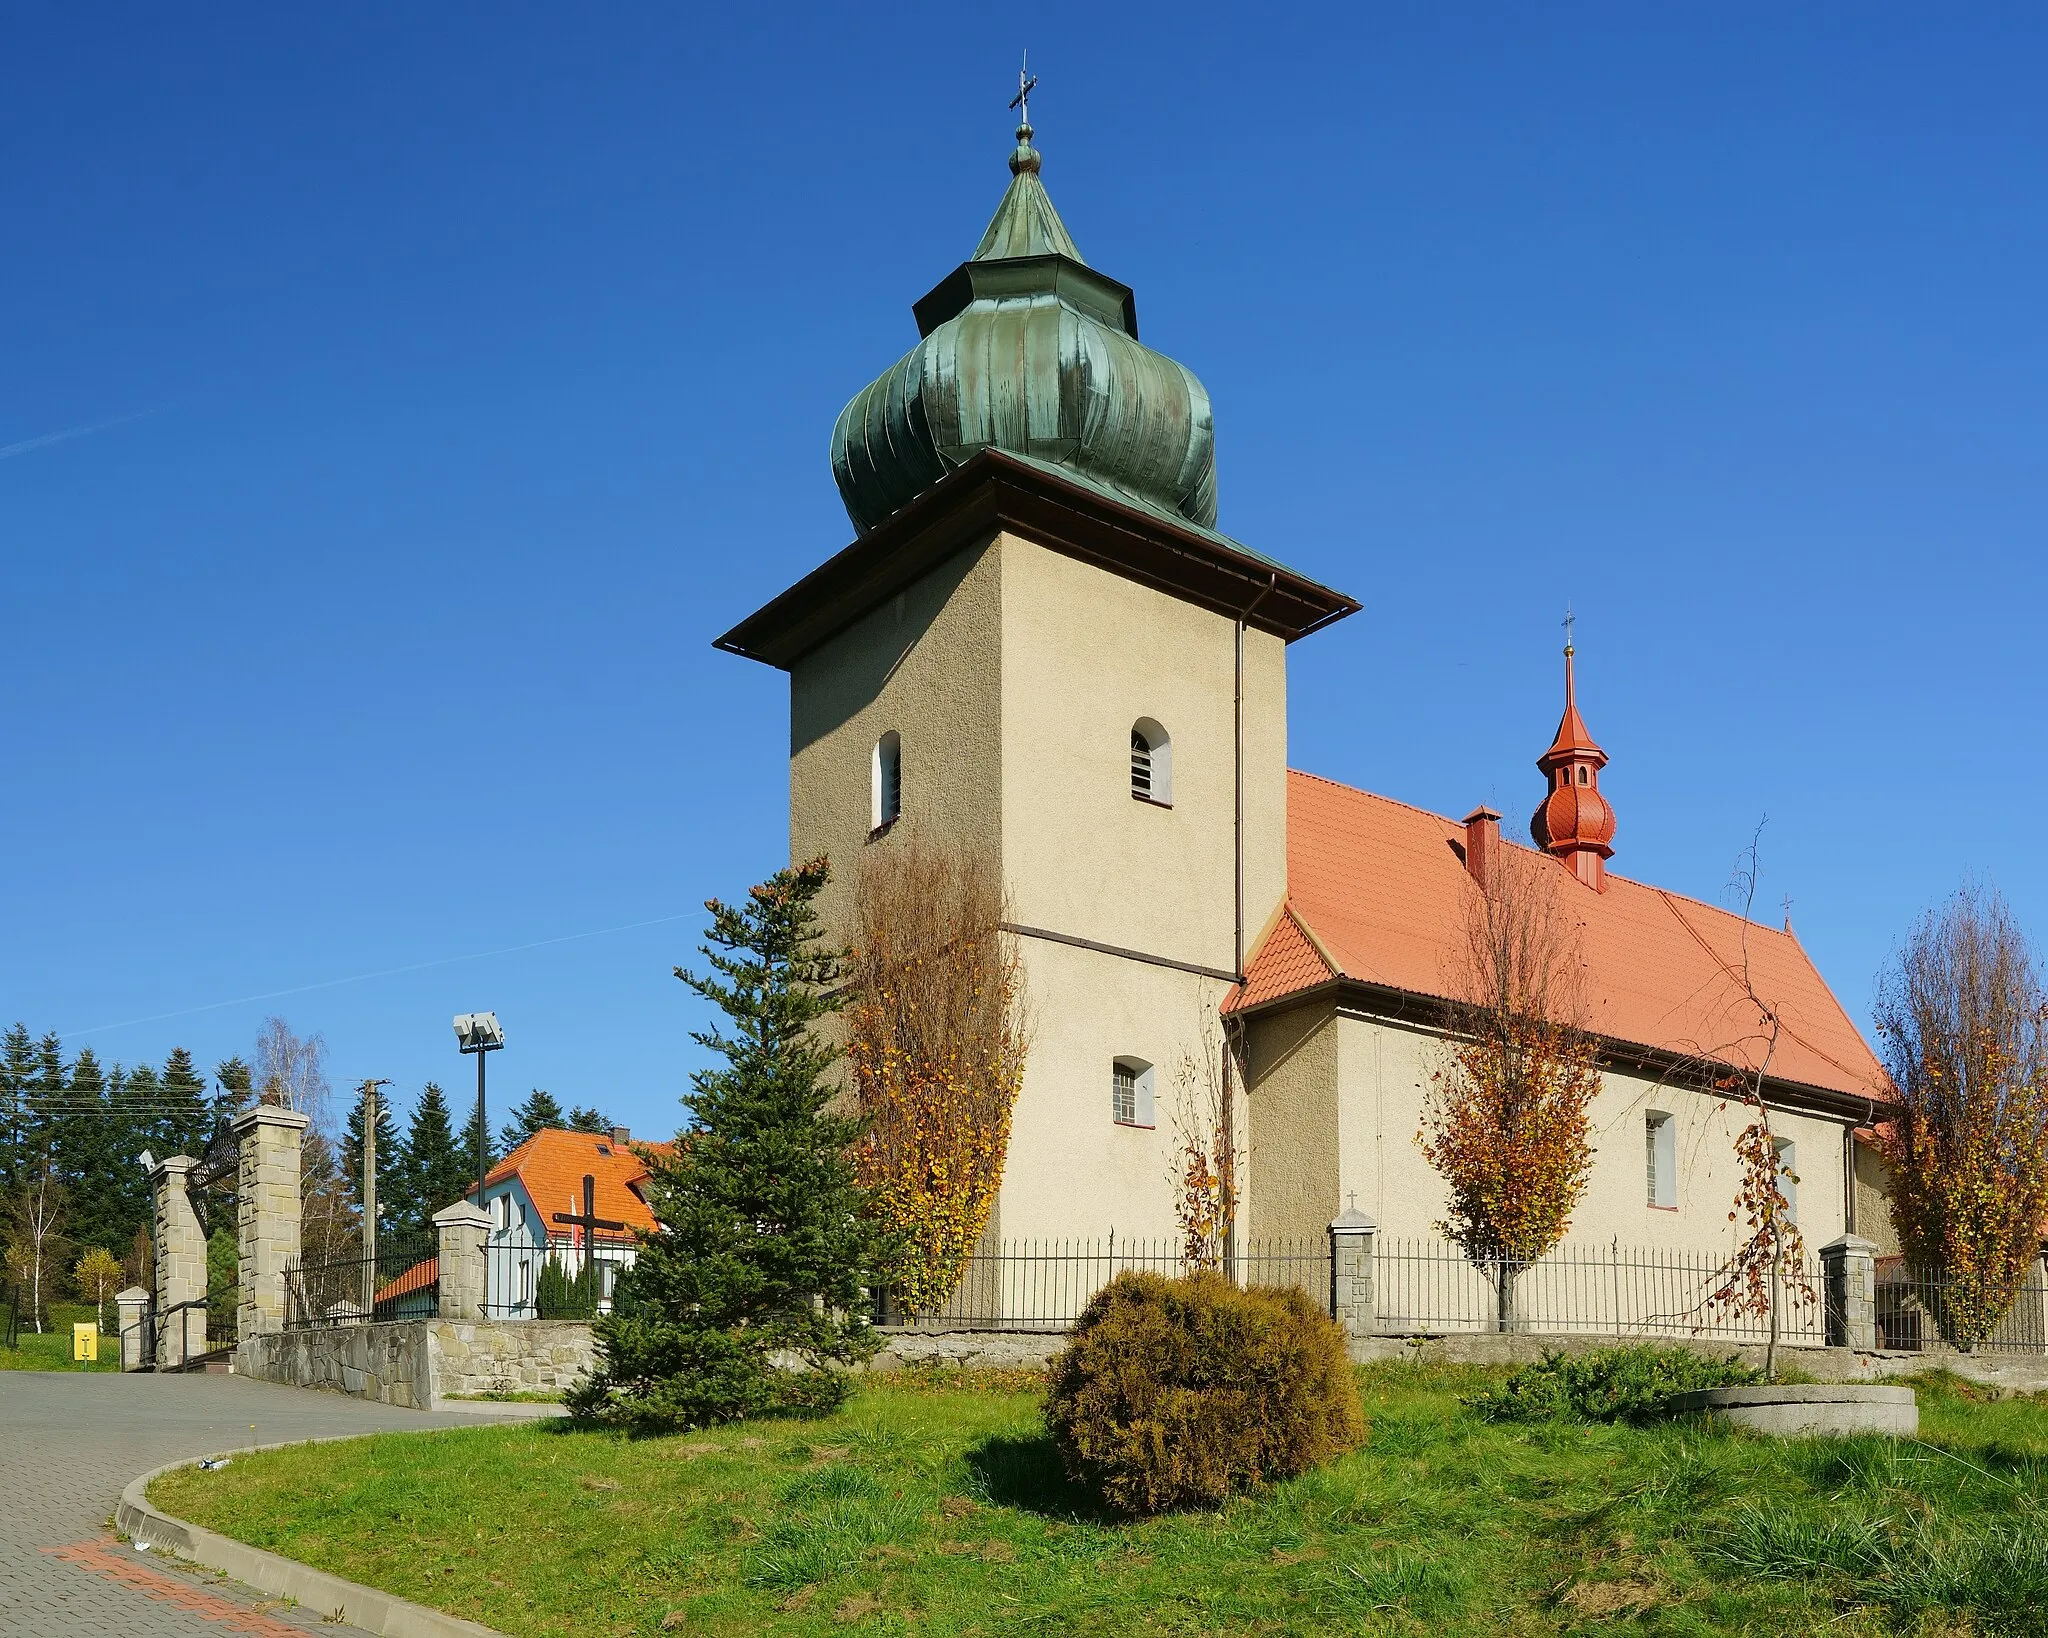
1151	763
887	781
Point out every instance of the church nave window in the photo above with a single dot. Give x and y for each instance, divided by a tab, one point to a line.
1151	763
887	781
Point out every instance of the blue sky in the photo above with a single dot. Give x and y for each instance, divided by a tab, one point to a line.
478	365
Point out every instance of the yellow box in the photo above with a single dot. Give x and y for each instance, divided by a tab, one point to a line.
85	1342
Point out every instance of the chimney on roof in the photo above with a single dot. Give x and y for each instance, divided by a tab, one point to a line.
1482	846
621	1136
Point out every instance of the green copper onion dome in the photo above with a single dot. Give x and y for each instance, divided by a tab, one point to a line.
1029	349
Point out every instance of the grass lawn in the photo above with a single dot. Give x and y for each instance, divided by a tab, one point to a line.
52	1350
936	1505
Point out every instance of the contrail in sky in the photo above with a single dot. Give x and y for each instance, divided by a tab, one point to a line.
387	972
9	451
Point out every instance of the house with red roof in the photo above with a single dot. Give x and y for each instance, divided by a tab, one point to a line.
1040	646
573	1198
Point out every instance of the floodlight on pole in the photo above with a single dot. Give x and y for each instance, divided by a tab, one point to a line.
479	1032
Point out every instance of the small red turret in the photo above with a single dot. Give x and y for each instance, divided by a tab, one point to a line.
1574	822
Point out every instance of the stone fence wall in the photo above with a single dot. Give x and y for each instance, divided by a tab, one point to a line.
419	1363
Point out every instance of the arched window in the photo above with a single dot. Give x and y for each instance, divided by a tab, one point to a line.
1130	1092
887	781
1151	763
1585	774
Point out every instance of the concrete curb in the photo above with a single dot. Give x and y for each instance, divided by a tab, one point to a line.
362	1607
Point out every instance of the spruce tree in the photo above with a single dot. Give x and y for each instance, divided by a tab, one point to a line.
87	1154
582	1119
472	1134
17	1076
753	1287
184	1122
436	1172
538	1113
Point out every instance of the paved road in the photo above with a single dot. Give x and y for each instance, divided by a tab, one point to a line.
69	1445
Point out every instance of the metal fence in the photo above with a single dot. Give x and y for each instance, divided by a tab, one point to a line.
1917	1309
568	1277
1042	1285
1431	1286
395	1285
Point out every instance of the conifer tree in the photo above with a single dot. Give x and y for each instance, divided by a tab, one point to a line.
85	1148
473	1136
762	1257
585	1119
537	1113
17	1076
184	1122
436	1172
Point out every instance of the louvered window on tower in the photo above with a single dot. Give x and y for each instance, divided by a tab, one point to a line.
1151	763
887	781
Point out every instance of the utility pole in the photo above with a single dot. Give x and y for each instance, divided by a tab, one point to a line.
370	1197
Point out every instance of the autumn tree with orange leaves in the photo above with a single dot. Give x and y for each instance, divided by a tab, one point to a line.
1507	1117
1960	1017
935	1048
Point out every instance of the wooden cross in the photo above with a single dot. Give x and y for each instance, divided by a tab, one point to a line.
1026	84
587	1219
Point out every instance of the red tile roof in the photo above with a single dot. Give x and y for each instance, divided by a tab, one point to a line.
416	1278
553	1163
1377	891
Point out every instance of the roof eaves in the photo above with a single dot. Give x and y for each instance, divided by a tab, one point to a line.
995	491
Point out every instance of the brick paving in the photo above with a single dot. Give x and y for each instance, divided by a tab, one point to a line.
69	1445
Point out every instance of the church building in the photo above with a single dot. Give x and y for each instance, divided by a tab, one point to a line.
1040	642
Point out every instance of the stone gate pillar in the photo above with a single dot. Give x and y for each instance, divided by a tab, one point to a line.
1849	1277
1354	1292
138	1347
180	1266
266	1212
461	1229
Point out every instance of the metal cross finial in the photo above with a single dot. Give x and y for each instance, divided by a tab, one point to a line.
1569	618
1027	82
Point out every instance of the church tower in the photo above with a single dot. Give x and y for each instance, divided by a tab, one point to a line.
1039	644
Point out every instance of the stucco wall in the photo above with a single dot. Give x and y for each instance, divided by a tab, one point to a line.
1072	1170
1873	1201
925	665
1085	654
1386	1071
1291	1128
414	1363
1013	676
1336	1103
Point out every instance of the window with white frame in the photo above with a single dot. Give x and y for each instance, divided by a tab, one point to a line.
1660	1157
501	1212
525	1281
1130	1092
887	781
1151	763
1788	1176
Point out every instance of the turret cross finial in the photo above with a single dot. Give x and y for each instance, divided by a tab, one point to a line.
1027	83
1569	617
